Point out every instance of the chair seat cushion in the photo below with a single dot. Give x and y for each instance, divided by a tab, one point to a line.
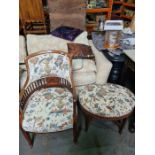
48	110
108	100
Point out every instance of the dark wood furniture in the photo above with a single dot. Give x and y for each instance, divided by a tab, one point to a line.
128	74
118	62
120	122
128	80
32	16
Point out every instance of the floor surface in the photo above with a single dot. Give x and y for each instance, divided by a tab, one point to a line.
102	138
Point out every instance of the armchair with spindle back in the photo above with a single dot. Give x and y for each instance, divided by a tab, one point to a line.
48	100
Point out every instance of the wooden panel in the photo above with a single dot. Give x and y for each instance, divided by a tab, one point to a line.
117	2
100	10
31	10
129	5
32	16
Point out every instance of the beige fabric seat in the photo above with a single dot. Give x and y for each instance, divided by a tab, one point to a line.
49	110
107	100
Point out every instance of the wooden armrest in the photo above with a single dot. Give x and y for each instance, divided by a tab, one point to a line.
45	82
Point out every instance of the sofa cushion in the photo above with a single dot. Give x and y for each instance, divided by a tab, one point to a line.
48	42
22	78
80	50
82	38
37	43
77	64
49	110
22	49
103	65
84	78
66	32
88	66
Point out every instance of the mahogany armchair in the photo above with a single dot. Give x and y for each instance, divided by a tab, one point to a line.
48	100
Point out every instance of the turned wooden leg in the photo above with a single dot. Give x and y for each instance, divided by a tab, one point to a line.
75	130
30	139
122	124
87	121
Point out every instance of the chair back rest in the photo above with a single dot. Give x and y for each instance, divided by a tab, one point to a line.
48	64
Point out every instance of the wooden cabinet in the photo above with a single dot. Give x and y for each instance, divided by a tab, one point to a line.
96	12
32	16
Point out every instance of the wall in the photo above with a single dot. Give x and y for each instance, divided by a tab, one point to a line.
67	12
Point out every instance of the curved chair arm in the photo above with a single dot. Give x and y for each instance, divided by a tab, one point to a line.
45	82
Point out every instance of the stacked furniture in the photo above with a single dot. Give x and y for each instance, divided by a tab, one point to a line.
33	18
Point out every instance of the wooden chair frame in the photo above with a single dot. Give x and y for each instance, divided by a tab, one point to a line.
46	82
119	121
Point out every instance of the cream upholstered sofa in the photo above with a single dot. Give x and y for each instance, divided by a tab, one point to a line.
85	71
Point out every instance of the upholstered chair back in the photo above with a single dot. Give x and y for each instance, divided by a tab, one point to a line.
47	64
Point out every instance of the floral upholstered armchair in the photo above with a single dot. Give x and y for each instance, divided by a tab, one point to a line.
47	100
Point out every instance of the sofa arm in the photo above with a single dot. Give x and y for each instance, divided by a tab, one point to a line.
103	65
22	76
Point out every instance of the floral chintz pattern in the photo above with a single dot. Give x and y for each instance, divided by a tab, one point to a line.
108	100
49	110
49	64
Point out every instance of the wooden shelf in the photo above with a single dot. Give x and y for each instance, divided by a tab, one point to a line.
117	2
117	11
106	11
114	17
91	25
98	10
129	5
121	13
127	17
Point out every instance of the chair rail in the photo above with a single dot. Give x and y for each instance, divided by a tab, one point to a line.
45	82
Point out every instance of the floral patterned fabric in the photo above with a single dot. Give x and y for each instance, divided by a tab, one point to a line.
108	100
48	110
49	64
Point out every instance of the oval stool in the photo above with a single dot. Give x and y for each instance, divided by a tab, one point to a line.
106	102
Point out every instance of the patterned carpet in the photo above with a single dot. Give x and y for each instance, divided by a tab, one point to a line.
102	138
